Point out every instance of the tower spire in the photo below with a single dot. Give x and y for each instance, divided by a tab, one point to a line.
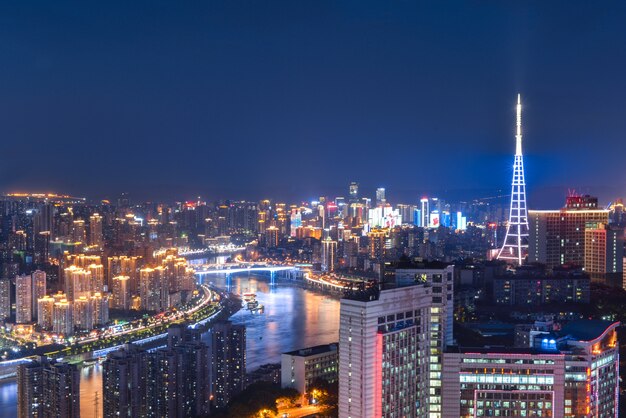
518	135
515	246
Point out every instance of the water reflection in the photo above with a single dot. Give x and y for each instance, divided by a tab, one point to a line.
293	318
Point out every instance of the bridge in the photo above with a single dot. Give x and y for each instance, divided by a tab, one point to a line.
244	267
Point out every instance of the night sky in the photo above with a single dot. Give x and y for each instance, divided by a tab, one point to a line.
293	99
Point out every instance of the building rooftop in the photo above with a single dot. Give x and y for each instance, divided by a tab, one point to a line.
313	351
586	330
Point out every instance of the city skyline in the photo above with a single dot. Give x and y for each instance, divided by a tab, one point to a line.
259	93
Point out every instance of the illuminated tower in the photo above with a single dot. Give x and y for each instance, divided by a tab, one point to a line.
515	246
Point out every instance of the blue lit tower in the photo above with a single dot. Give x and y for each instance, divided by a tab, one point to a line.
515	246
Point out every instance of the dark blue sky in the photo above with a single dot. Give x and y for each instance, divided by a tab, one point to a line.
291	99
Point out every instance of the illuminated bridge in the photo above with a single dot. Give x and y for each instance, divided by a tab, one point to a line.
242	267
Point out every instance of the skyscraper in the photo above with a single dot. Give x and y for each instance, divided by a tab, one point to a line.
329	254
30	389
558	236
604	253
61	391
39	289
383	353
228	361
424	212
5	299
380	196
182	375
127	383
95	230
515	246
23	299
354	191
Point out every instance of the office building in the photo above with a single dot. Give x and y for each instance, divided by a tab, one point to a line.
440	278
380	197
535	287
329	254
566	374
228	362
424	212
383	353
300	368
557	237
604	253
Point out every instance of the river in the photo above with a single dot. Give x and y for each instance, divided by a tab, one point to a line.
293	318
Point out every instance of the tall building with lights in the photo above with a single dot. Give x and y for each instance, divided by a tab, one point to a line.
569	373
515	247
557	237
96	238
5	299
329	254
39	289
23	299
604	253
228	362
127	383
384	348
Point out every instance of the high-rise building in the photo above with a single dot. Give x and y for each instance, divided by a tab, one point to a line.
604	253
96	238
39	289
78	231
127	383
30	388
384	348
271	237
83	313
120	293
182	375
515	246
566	374
153	289
557	237
124	266
23	299
100	306
424	212
62	318
5	299
48	389
353	191
228	362
380	197
329	254
45	312
440	278
61	391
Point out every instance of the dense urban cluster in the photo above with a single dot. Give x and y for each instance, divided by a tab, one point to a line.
446	309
